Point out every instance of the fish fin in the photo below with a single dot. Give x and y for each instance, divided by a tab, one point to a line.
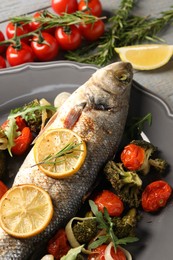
73	116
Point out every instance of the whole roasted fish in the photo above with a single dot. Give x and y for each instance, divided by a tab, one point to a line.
97	111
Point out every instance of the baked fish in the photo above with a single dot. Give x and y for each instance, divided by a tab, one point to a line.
97	111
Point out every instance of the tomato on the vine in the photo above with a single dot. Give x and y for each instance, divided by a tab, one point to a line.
2	47
34	25
19	56
20	30
92	32
45	49
110	201
93	7
69	37
99	253
64	6
156	195
2	63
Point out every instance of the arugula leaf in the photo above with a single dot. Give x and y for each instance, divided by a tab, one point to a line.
105	223
136	125
72	253
11	133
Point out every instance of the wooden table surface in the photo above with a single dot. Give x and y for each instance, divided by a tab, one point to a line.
160	81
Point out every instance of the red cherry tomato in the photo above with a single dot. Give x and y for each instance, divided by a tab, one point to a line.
58	246
99	253
3	189
69	38
94	7
133	157
92	32
2	63
20	30
17	57
111	202
2	47
46	50
64	6
156	195
22	142
35	24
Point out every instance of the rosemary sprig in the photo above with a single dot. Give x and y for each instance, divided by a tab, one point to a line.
147	30
103	50
66	151
50	20
105	223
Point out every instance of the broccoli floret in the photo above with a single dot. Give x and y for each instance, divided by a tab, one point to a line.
158	163
127	184
85	230
125	226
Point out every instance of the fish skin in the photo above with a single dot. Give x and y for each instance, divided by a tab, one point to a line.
100	106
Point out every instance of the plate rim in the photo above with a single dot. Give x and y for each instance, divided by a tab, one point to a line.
81	66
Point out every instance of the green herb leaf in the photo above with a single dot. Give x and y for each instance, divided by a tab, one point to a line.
72	253
11	133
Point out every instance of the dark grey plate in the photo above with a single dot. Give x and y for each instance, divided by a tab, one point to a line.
22	84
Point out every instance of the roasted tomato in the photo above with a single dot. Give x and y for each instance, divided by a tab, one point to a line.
99	254
156	195
110	201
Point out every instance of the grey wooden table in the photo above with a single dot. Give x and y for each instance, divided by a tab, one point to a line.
159	81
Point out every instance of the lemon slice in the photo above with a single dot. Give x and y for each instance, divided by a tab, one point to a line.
25	210
146	56
59	153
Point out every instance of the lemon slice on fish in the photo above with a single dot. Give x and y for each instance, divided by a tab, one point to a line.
60	152
146	56
25	210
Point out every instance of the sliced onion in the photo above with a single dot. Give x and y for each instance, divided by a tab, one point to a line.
61	98
108	252
48	257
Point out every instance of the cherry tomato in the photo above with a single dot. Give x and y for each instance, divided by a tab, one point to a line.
133	157
93	7
156	195
100	253
46	50
110	201
2	47
92	32
58	246
34	25
22	142
17	57
69	38
2	63
64	6
20	30
3	189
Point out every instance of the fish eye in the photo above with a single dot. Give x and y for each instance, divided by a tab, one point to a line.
124	77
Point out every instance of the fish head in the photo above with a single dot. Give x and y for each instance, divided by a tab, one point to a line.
115	78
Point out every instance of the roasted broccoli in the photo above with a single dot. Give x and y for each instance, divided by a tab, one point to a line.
126	184
158	163
85	230
125	226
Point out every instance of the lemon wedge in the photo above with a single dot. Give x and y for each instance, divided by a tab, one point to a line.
59	153
146	56
26	210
